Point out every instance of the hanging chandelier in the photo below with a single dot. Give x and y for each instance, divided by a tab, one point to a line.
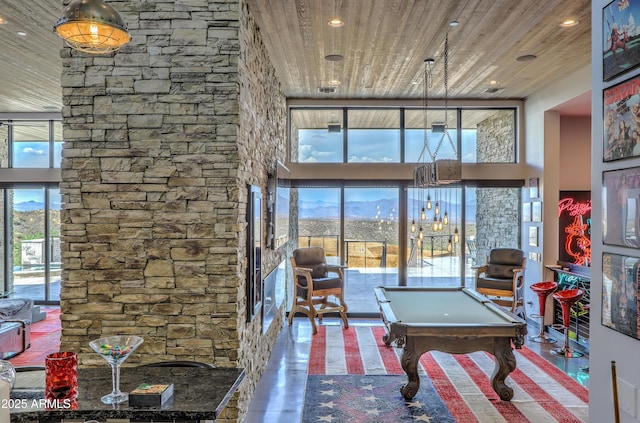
92	26
437	171
432	173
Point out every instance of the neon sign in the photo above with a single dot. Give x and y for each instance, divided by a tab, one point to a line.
574	214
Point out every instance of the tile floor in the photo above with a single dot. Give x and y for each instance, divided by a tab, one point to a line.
280	393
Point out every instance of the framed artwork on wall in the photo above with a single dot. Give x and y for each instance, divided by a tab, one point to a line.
619	53
533	236
254	252
533	188
620	277
536	211
621	207
621	105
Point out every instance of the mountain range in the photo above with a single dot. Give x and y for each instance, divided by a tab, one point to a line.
371	210
31	205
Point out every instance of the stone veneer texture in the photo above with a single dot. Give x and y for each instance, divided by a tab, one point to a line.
161	140
495	144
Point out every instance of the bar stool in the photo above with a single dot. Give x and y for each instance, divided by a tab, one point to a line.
567	298
543	289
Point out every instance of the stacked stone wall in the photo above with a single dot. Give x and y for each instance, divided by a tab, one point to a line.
497	209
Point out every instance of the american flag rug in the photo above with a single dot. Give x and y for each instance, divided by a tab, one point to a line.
354	377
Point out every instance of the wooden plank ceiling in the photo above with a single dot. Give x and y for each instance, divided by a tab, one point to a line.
383	42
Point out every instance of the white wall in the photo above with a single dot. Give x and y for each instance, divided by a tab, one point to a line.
543	138
606	344
575	153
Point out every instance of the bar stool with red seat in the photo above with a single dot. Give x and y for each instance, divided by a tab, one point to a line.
543	289
567	298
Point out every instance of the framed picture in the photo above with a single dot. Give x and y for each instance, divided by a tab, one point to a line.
574	224
621	105
536	211
254	252
533	188
526	212
619	53
621	207
533	236
620	280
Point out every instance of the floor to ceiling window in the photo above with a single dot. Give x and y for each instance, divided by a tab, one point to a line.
434	234
319	215
31	211
370	227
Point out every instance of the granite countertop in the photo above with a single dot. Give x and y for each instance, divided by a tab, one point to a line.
199	394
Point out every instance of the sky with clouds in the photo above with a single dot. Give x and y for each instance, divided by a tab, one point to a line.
380	146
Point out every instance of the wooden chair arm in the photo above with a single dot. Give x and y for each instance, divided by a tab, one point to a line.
302	269
305	273
337	269
481	268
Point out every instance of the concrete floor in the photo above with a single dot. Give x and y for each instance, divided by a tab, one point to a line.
279	396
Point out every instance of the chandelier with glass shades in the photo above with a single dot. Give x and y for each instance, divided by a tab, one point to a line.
431	173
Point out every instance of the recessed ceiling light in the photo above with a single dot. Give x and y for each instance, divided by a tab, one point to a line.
21	33
569	22
2	20
334	57
453	23
526	58
336	22
334	82
494	82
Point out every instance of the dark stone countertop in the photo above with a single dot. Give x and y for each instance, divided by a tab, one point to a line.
198	394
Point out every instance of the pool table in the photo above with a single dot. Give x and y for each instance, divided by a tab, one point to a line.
451	320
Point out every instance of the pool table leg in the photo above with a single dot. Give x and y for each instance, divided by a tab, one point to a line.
505	364
409	363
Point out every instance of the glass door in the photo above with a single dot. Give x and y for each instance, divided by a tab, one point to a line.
371	248
433	236
319	219
34	244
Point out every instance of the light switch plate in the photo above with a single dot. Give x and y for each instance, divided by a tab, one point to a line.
627	397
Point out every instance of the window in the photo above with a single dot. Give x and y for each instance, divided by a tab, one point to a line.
31	212
441	144
319	211
488	136
317	136
394	135
373	136
33	262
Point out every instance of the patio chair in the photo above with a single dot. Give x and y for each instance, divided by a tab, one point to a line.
501	278
315	281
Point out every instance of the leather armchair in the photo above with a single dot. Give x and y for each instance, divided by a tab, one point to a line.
314	282
501	278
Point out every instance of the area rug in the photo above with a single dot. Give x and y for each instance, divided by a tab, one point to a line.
45	339
354	377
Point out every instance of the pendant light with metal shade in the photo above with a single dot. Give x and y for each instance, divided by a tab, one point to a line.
92	26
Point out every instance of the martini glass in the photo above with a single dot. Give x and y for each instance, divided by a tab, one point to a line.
115	350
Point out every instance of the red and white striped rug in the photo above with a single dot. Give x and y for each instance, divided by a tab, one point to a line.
542	392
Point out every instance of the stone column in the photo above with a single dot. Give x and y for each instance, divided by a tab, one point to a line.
161	140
